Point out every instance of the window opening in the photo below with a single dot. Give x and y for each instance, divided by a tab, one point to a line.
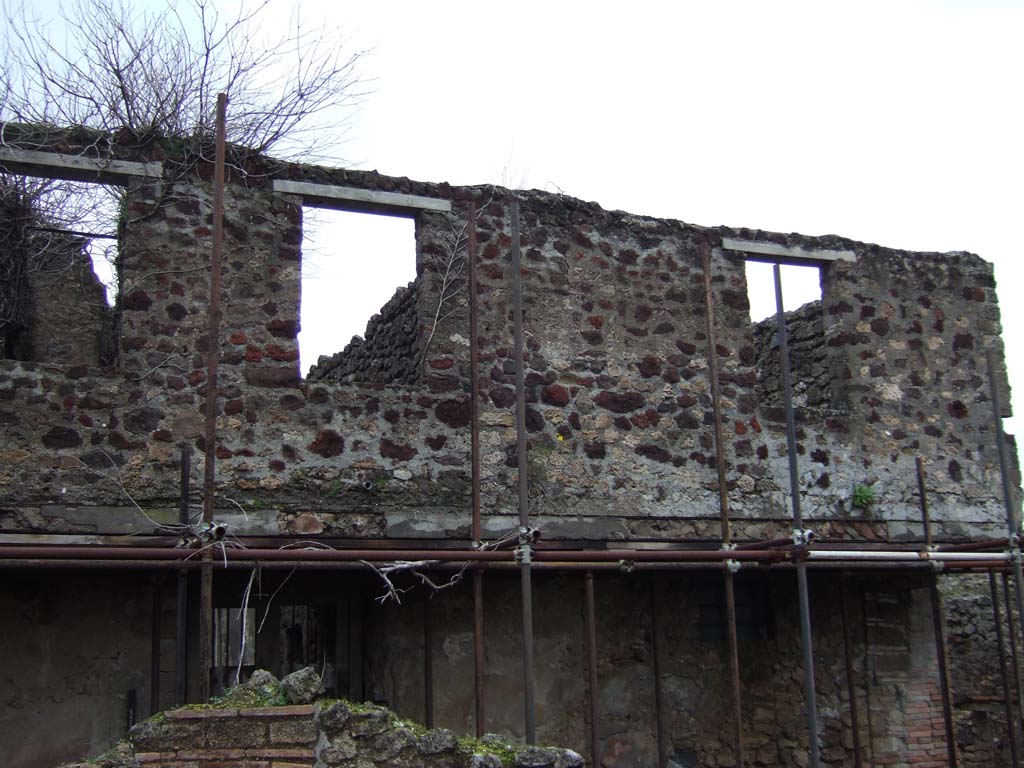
358	297
801	285
58	262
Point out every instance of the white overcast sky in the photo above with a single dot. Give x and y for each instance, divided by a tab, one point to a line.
895	122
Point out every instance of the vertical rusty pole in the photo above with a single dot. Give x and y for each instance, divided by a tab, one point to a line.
1012	523
938	625
428	663
478	649
867	673
181	600
591	611
210	434
524	552
656	658
851	685
801	566
474	400
1007	603
1011	730
723	505
154	648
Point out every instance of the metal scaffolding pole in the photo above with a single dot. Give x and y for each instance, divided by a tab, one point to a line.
1012	524
938	625
723	505
794	486
851	683
210	433
591	621
524	551
659	726
1014	659
1011	730
474	399
181	599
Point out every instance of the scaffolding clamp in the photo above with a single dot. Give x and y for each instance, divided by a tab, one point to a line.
733	566
938	565
802	537
524	553
627	566
728	547
1014	554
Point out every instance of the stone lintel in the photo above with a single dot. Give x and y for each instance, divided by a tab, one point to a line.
784	254
360	200
51	165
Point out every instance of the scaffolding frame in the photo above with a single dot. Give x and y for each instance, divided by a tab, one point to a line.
797	553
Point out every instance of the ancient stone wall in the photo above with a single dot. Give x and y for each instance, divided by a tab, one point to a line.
809	357
77	652
388	354
893	662
619	415
327	734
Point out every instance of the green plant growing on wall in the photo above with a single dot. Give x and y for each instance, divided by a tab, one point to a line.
863	497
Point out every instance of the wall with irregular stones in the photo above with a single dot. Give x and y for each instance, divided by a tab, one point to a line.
976	681
619	419
73	652
810	371
389	353
892	654
326	734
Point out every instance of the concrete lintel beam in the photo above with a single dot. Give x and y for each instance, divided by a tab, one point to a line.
51	165
785	254
360	200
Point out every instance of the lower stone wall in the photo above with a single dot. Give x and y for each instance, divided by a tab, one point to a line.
976	682
892	654
325	734
258	737
389	354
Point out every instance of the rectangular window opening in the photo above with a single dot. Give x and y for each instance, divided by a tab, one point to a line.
810	373
801	285
60	266
359	307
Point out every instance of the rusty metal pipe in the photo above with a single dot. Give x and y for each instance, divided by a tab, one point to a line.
181	588
479	659
767	544
851	685
1012	524
1004	673
154	647
474	373
734	666
970	546
523	484
593	690
210	433
794	486
1014	659
659	725
428	663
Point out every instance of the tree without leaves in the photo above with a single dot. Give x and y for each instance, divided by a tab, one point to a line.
142	77
157	75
